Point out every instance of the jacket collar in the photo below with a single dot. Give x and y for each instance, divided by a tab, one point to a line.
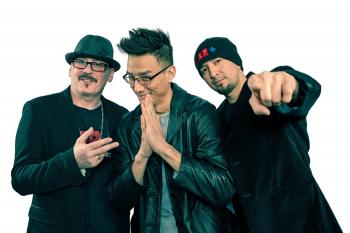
228	112
178	109
67	115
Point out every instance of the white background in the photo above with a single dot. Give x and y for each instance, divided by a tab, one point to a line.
311	36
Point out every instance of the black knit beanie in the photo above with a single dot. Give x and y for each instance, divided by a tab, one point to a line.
214	47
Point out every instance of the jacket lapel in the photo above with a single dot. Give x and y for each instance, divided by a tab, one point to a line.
231	113
177	111
175	122
68	116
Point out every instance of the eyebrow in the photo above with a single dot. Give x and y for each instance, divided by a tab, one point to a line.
93	60
203	66
140	73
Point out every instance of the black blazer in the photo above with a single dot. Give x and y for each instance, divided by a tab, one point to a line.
45	167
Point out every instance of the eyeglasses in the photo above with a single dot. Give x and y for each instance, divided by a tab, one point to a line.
143	80
95	66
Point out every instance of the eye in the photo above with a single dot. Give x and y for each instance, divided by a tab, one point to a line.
218	60
144	78
100	65
204	70
129	76
79	61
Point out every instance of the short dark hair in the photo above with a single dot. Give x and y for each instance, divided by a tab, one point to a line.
143	41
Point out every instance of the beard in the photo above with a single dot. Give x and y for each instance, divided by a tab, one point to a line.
224	90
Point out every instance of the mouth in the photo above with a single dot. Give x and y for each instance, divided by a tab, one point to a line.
141	96
218	82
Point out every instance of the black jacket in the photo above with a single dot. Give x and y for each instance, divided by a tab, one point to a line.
269	161
45	167
202	183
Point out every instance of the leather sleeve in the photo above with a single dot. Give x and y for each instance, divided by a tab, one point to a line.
204	171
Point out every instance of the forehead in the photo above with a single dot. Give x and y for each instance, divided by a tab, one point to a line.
142	64
211	61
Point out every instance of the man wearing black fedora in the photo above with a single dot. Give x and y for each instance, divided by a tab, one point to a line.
62	148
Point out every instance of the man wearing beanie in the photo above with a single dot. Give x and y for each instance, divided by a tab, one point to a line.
62	144
266	143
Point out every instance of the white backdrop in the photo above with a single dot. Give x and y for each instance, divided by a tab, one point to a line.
312	36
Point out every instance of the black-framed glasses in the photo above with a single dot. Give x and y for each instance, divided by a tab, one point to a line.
143	80
95	66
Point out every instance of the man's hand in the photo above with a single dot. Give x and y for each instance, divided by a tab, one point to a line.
150	133
90	155
271	88
145	149
151	125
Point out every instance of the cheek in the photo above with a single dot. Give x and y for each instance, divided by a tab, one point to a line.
208	81
73	73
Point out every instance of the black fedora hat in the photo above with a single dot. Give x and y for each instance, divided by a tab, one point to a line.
96	47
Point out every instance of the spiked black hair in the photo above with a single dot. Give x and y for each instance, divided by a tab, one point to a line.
143	41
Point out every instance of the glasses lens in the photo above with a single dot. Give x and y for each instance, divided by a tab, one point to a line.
144	80
97	66
79	63
128	78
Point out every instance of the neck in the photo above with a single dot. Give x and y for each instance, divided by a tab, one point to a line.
164	105
232	97
87	102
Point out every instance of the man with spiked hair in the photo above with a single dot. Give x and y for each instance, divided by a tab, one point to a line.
173	172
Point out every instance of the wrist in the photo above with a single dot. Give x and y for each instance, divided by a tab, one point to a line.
141	157
162	148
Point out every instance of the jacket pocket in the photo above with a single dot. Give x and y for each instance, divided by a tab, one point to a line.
42	215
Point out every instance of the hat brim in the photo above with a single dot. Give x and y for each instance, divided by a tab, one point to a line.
113	63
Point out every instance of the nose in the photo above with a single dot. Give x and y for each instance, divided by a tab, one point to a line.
137	87
213	71
88	68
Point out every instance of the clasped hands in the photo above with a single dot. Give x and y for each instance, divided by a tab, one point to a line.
152	138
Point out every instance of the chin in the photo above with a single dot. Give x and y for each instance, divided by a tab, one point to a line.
88	91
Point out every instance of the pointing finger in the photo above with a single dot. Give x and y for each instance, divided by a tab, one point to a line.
258	108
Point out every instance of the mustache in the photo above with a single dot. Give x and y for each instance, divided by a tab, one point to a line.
86	76
217	81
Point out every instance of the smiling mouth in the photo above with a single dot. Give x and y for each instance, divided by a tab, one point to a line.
142	95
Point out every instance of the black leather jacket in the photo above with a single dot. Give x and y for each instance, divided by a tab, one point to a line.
202	184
